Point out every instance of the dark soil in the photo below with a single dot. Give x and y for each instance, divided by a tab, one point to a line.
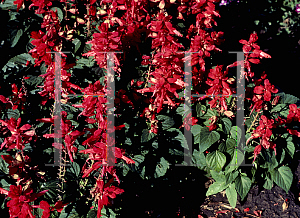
184	197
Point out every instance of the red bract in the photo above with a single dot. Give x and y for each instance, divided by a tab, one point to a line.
189	121
264	132
67	133
212	125
102	191
294	114
20	198
218	82
104	42
20	169
265	90
19	135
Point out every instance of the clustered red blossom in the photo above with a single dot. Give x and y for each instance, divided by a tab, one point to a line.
264	132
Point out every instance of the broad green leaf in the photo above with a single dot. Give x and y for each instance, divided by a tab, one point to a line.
4	166
216	187
16	37
198	158
273	162
126	169
215	160
20	59
77	44
207	138
268	183
75	168
231	195
183	110
237	159
227	124
290	148
282	156
231	176
196	132
279	107
92	214
180	137
4	184
166	121
218	176
230	146
208	114
13	113
236	133
138	159
161	168
287	98
8	5
222	147
283	177
200	109
146	135
242	185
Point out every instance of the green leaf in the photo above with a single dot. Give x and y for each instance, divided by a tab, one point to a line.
126	169
236	133
218	176
66	214
215	160
75	169
180	137
208	114
242	185
222	147
166	121
231	176
146	135
216	187
230	146
183	110
282	156
8	5
92	214
16	37
138	159
283	177
279	107
207	138
237	159
290	148
198	158
20	59
196	132
161	168
200	109
273	162
231	195
227	124
77	44
268	183
13	113
287	98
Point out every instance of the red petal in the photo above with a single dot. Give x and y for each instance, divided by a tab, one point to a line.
3	99
254	61
25	127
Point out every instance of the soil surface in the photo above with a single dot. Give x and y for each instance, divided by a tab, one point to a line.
185	198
